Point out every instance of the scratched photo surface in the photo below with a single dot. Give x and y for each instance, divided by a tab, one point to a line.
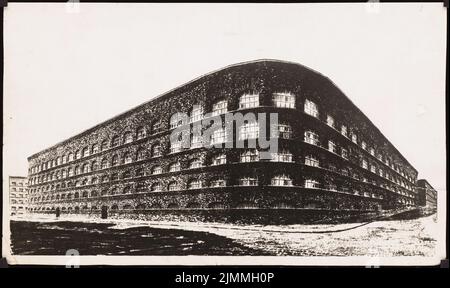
296	132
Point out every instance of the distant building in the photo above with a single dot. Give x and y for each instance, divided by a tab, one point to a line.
18	195
331	156
426	194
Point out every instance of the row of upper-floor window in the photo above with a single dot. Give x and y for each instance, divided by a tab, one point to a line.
312	109
195	183
312	137
250	155
141	154
248	130
282	100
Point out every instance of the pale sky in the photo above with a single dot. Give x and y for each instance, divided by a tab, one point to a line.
66	72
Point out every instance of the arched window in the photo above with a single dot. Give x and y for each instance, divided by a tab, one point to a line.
114	176
311	108
156	170
70	157
218	182
140	133
58	160
94	166
104	163
248	181
115	141
283	100
85	168
219	159
127	157
104	145
174	167
282	156
219	107
85	152
176	146
76	195
156	150
127	137
178	119
219	136
140	207
94	148
114	191
310	160
94	193
126	174
141	187
156	127
94	180
78	154
312	138
139	172
249	156
249	101
127	190
115	160
85	194
156	187
173	206
63	159
104	192
194	184
195	163
70	171
173	186
140	154
249	130
196	113
364	164
281	130
281	180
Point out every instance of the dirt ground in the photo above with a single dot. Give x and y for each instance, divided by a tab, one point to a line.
415	237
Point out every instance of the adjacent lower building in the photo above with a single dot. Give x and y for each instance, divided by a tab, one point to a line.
426	194
18	195
330	156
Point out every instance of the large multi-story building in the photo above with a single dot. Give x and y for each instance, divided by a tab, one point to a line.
330	156
426	194
18	195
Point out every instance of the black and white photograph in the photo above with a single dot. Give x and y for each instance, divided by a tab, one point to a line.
300	134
